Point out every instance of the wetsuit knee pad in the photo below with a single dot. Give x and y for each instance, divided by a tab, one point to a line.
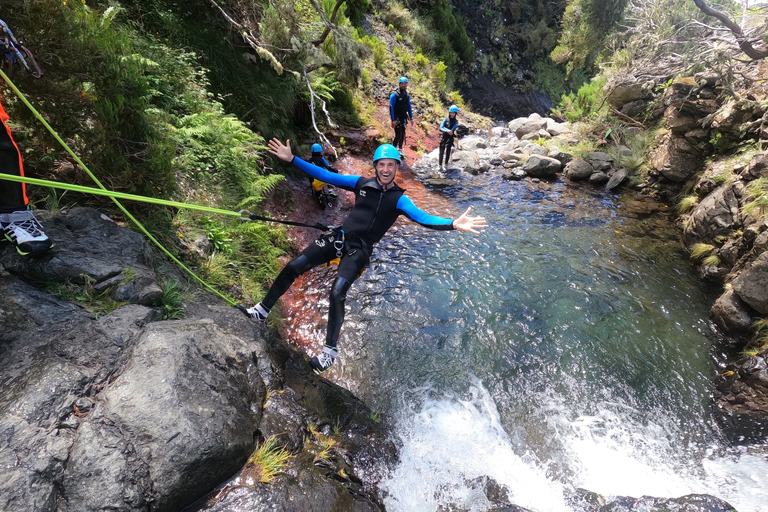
339	290
299	265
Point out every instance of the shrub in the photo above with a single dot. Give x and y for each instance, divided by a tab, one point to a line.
438	73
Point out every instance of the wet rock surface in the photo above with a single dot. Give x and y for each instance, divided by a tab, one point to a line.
133	413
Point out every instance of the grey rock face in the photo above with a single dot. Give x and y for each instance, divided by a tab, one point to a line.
752	285
717	214
616	179
541	166
578	169
729	312
88	246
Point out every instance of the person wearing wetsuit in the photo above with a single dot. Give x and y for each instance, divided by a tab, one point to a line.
323	191
400	112
379	201
448	130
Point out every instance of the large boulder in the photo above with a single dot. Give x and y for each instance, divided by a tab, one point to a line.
466	161
578	169
730	313
717	214
756	168
184	410
531	126
616	179
676	158
600	161
556	129
752	285
473	142
540	166
622	93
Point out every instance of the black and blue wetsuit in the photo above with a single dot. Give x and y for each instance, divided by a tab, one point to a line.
400	111
374	212
446	141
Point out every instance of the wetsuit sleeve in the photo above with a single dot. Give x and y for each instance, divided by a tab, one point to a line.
444	128
392	100
337	180
410	112
406	206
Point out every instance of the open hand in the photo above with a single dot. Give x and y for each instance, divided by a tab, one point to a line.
280	150
471	224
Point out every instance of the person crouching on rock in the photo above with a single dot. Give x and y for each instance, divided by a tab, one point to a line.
448	131
323	191
379	201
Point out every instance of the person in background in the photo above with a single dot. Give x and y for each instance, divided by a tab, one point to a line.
379	201
400	112
323	192
448	131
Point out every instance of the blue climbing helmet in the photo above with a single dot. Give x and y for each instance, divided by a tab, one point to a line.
403	80
316	148
386	151
453	108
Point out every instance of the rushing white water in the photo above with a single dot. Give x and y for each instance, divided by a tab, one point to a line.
450	442
568	347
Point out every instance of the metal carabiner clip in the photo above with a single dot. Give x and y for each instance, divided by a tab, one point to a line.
338	244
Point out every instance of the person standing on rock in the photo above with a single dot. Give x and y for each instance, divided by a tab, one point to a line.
379	201
19	225
400	112
448	131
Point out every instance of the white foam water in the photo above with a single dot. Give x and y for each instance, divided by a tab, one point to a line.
449	442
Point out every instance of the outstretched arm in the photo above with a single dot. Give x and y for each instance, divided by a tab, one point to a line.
471	224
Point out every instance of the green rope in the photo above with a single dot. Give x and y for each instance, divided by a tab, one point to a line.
111	194
118	195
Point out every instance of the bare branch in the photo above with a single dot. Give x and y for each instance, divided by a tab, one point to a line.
329	24
312	96
744	44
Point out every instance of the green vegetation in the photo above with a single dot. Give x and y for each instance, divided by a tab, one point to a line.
700	251
95	302
170	304
757	205
687	204
267	461
321	444
586	24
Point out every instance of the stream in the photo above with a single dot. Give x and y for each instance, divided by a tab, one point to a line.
568	346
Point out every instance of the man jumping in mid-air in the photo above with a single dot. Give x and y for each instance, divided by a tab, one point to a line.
379	201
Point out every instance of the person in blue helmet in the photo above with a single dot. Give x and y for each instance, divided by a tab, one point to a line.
448	131
400	112
324	192
379	201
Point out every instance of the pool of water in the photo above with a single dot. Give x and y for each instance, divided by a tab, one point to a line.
568	346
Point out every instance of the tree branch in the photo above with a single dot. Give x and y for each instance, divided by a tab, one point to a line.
328	23
312	96
751	52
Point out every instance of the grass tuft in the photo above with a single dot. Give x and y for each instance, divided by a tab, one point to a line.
269	459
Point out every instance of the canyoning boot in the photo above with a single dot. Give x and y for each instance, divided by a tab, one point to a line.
24	231
257	312
324	359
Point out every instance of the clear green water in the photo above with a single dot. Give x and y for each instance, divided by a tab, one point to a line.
567	346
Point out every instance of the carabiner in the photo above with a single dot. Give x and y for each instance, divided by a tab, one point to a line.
338	244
